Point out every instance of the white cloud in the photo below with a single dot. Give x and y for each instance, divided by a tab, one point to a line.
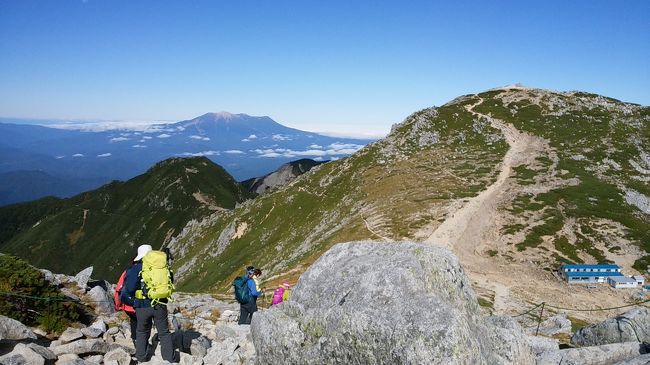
139	146
147	137
164	135
198	154
252	136
234	152
339	146
315	146
245	140
280	137
200	138
270	154
335	149
78	155
104	155
59	157
119	139
180	128
319	159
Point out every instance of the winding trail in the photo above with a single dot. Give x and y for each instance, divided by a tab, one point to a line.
470	225
475	223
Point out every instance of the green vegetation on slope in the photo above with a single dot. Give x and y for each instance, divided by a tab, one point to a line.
391	188
103	227
596	139
28	287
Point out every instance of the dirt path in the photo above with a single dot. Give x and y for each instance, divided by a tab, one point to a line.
470	225
515	280
474	225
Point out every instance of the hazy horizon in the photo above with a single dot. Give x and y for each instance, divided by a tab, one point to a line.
351	68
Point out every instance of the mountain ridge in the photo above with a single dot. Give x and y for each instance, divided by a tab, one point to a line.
103	226
560	200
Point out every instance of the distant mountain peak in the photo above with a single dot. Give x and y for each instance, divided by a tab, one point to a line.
223	115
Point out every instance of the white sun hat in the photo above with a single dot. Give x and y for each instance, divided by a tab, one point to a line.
142	250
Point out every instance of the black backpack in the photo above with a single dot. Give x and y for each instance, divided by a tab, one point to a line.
242	293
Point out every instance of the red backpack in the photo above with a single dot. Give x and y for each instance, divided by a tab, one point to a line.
119	306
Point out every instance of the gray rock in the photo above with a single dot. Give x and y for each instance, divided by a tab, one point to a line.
541	344
187	359
101	301
92	332
22	354
82	347
229	316
13	359
96	359
223	331
122	357
45	353
82	277
593	355
113	330
70	334
641	360
99	324
200	346
374	302
633	325
220	351
554	325
11	329
49	277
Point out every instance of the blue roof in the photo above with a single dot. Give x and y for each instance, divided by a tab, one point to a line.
610	266
589	273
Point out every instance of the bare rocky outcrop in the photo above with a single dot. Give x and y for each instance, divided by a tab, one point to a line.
633	325
612	354
374	302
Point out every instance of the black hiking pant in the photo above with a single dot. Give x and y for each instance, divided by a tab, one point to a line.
133	321
158	314
246	311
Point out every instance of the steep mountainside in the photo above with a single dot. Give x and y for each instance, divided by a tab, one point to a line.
282	176
392	188
104	226
513	180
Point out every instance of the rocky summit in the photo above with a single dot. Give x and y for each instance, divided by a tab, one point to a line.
386	303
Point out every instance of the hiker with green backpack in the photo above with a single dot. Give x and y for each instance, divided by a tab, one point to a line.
246	294
147	288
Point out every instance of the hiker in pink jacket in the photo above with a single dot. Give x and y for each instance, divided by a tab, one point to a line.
281	293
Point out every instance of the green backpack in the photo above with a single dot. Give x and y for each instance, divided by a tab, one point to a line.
156	277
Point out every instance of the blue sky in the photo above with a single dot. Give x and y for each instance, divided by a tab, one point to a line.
350	67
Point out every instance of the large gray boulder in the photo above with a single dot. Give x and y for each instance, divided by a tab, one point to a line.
82	347
594	355
100	299
22	354
11	329
633	325
394	303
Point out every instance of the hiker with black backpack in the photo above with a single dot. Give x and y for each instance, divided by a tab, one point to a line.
246	294
148	288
